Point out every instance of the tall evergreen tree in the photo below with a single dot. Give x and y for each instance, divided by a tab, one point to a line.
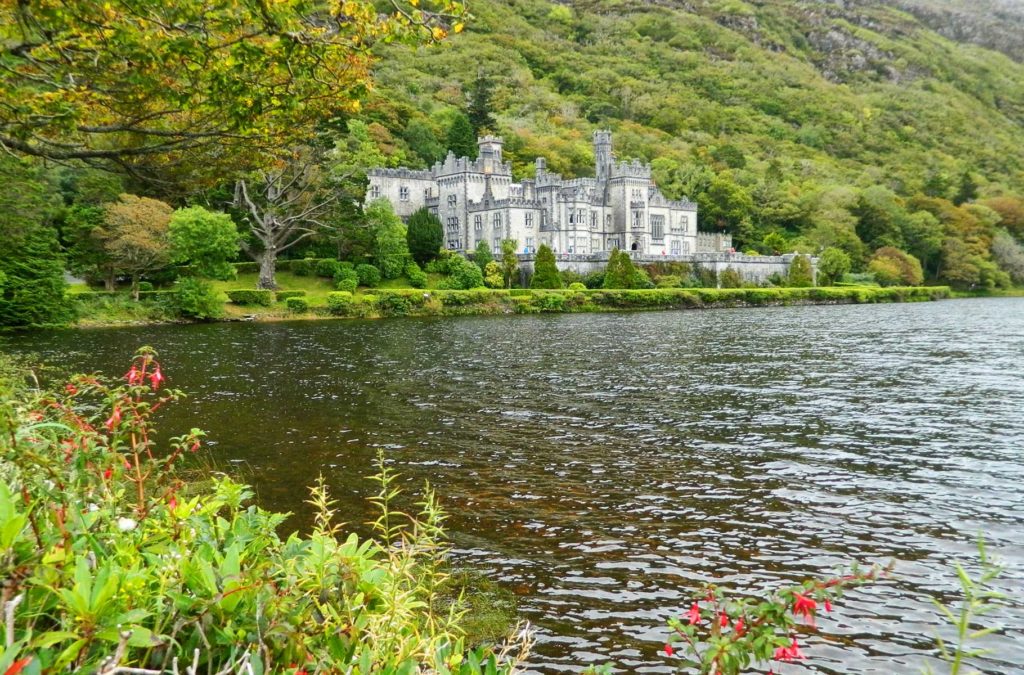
968	190
622	273
425	236
461	138
545	271
480	94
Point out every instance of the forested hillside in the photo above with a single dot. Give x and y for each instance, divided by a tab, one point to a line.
856	124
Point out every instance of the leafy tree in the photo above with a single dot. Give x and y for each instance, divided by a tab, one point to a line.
32	270
1009	254
422	140
482	254
622	273
509	261
922	234
479	109
282	207
85	253
545	270
207	240
774	243
463	274
461	138
936	185
801	272
135	236
832	265
893	266
728	206
730	278
390	249
880	215
166	80
425	236
492	275
1011	214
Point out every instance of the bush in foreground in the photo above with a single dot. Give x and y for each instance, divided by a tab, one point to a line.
251	296
112	561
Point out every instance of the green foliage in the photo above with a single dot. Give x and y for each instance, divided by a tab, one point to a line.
416	276
577	286
368	275
425	236
730	278
347	279
297	305
206	240
509	261
251	296
327	268
197	299
340	303
894	267
622	273
33	292
461	138
492	275
462	275
300	268
391	250
545	270
801	272
482	255
775	243
833	263
284	295
479	110
158	568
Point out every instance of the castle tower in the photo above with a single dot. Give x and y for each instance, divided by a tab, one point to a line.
603	154
490	152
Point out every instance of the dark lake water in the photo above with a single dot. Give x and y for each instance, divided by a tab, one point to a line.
604	466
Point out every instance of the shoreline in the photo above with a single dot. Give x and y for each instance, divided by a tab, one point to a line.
388	303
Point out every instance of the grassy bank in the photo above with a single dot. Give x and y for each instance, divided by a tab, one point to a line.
319	302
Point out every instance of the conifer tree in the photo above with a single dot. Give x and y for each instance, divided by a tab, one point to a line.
801	274
482	254
461	138
480	95
545	271
425	236
509	261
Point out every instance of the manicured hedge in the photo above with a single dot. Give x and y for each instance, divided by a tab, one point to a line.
400	302
285	295
297	304
251	296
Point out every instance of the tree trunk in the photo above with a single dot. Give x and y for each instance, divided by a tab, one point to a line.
135	287
268	263
110	282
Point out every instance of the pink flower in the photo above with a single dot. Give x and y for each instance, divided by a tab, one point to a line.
790	653
70	388
723	620
134	375
114	419
194	447
828	605
669	651
740	627
156	377
694	614
804	606
108	473
172	503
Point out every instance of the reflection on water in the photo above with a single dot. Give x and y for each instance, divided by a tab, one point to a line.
603	466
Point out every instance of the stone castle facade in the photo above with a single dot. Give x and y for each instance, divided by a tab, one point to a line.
477	200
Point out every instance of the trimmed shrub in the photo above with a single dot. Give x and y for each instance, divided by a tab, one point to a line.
398	302
251	296
246	267
368	275
545	271
577	286
285	295
340	303
303	268
297	304
145	286
463	275
348	284
549	302
327	268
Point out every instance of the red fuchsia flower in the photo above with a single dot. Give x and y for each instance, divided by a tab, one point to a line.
828	605
194	447
790	653
134	375
70	388
723	620
156	377
804	606
108	473
739	627
172	503
694	614
114	419
669	651
127	465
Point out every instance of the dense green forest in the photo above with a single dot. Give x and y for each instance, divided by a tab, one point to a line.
885	135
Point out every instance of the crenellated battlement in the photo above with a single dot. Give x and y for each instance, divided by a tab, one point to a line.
402	172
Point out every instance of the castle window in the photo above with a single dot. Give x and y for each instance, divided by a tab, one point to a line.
638	219
427	192
658	227
581	217
478	223
676	247
374	192
593	220
529	244
403	193
453	200
684	223
497	220
497	244
529	221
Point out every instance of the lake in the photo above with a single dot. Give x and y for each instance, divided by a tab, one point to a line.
604	466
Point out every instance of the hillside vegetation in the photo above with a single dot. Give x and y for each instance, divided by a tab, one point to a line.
855	125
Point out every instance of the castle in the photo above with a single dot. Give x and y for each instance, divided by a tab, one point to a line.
477	200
